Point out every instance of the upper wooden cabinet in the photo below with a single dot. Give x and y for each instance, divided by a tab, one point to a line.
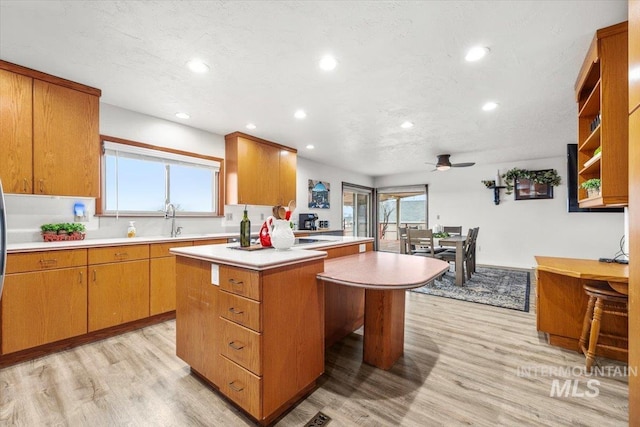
50	127
634	55
602	95
259	172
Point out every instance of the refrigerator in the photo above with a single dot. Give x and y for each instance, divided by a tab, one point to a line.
3	239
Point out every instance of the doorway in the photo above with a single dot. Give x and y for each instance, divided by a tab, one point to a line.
399	208
357	210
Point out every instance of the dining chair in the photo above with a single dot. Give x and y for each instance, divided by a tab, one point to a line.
472	256
450	254
421	243
452	230
402	237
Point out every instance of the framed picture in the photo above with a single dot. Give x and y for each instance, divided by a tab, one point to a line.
526	189
319	194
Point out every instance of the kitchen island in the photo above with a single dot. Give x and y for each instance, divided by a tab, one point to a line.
251	323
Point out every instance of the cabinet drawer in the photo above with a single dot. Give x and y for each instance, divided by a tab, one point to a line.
118	253
209	242
240	282
47	260
241	345
241	310
158	250
241	386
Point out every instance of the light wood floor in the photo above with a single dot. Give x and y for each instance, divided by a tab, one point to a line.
460	368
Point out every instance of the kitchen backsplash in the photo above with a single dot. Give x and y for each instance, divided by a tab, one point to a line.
26	213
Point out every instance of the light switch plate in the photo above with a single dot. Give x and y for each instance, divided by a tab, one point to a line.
362	247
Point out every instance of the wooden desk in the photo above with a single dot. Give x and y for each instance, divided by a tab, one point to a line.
458	242
385	277
562	302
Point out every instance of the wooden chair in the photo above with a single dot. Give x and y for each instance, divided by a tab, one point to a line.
421	243
450	254
471	265
602	300
452	231
402	236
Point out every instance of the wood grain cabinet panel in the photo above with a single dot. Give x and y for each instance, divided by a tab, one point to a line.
240	282
43	307
16	135
258	172
241	386
46	260
241	345
162	277
634	55
118	254
243	311
118	293
66	141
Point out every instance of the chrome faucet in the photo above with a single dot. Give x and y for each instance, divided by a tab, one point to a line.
171	212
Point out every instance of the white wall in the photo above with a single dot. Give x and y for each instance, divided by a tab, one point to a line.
513	232
308	169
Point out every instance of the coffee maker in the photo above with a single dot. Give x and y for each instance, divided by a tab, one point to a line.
307	221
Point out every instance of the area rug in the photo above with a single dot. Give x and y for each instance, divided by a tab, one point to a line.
491	286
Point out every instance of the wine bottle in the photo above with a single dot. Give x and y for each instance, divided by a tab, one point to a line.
245	230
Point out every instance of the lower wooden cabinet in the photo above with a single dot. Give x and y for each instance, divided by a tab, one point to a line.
162	276
43	307
118	293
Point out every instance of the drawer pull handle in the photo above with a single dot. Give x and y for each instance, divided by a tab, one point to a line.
121	254
94	275
81	276
235	346
236	282
48	262
234	311
24	186
42	185
234	387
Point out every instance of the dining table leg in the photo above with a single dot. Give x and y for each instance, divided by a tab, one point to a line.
459	264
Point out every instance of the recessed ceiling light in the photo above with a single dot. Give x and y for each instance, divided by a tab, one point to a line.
310	147
182	115
406	125
251	126
476	53
300	114
328	63
490	106
197	66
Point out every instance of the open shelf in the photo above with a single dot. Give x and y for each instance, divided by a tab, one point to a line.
592	142
592	105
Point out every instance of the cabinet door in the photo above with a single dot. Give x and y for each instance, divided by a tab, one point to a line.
66	141
118	293
43	307
16	132
162	290
288	163
258	174
197	320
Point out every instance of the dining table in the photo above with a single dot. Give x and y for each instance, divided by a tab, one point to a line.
458	243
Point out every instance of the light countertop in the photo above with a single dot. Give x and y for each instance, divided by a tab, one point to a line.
267	258
90	243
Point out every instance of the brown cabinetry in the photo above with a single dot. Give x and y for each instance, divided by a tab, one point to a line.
266	329
118	285
258	172
634	55
162	277
602	99
44	299
50	126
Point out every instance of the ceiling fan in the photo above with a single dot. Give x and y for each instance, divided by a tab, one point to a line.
444	163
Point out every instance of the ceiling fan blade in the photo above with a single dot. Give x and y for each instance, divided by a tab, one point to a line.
462	165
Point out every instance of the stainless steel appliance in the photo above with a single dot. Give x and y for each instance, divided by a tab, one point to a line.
3	239
307	221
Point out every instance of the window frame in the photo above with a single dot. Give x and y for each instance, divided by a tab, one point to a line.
219	203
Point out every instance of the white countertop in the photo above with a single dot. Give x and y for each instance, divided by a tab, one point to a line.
266	258
90	243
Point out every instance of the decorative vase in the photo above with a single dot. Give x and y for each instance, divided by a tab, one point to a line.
593	192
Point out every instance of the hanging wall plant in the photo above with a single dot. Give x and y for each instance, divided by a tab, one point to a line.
547	176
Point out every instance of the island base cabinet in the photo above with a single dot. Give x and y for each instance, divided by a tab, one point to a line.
118	293
197	321
241	386
43	307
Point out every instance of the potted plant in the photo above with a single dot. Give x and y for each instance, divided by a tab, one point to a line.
592	186
489	183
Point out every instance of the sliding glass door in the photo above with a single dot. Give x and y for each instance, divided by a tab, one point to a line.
399	208
357	210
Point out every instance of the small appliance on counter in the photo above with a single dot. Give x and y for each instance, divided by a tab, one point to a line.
307	221
323	224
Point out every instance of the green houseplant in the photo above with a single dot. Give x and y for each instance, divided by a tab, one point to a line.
592	186
548	176
62	231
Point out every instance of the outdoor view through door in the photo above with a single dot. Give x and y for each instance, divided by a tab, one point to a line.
399	208
356	210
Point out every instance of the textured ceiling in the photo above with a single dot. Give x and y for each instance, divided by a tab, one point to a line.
397	61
